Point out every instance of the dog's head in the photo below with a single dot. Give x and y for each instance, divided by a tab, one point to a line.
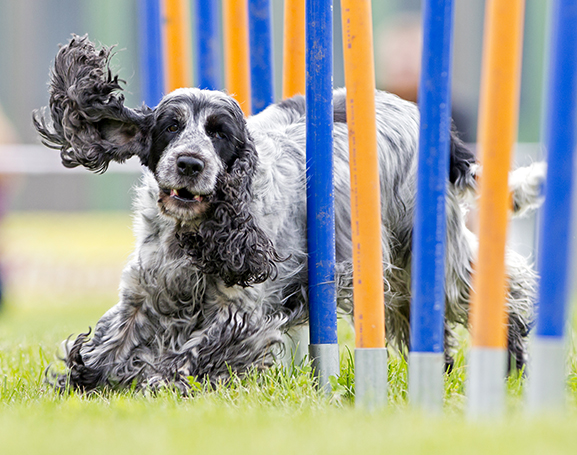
198	144
195	142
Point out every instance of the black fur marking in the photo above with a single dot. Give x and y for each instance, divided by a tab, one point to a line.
166	115
461	160
340	108
226	134
79	376
516	349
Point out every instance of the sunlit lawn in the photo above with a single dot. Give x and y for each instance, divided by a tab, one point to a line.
280	411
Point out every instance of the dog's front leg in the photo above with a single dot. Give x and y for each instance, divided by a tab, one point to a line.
231	339
117	354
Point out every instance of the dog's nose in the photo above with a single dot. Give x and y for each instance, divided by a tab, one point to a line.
189	166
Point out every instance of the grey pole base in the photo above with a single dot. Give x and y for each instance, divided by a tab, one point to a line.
427	380
486	382
547	375
371	378
325	361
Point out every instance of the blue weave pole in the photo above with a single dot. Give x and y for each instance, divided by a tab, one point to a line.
429	234
151	64
261	63
208	46
547	376
320	193
554	244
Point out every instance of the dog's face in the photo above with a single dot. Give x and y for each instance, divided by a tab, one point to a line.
195	142
196	137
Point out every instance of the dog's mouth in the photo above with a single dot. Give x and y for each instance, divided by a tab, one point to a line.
183	195
182	204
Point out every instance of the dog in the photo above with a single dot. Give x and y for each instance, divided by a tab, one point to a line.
219	272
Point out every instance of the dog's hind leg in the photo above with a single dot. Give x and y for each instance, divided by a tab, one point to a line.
461	253
450	347
396	298
520	306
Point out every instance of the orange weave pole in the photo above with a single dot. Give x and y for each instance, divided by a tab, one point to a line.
236	51
498	118
177	44
365	189
294	72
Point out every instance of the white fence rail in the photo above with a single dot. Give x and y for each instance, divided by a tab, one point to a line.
38	159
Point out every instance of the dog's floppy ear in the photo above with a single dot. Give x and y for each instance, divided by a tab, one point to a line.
229	243
88	121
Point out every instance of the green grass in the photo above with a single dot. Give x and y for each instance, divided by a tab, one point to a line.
280	411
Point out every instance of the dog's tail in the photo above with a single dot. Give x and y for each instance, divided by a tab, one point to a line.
526	187
525	183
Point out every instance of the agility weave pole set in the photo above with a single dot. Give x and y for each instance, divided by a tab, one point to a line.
308	70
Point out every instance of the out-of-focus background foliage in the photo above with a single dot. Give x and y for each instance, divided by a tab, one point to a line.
30	31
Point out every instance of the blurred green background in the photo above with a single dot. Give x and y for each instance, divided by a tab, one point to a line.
30	31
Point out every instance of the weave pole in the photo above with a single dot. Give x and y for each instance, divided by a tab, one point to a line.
177	43
294	72
370	351
261	63
426	359
208	53
323	348
498	116
151	67
236	51
294	83
547	374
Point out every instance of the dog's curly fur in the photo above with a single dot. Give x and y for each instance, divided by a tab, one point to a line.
219	272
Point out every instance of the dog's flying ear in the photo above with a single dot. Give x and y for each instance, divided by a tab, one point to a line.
88	121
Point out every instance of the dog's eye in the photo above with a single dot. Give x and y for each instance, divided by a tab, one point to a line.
172	128
216	134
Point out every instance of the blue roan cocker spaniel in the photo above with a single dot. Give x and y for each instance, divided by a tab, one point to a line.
220	267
